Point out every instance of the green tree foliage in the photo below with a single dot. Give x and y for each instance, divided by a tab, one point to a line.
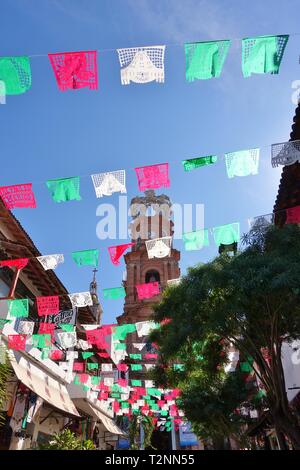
136	421
66	440
209	396
251	300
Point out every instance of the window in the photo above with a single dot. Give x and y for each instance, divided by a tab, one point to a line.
150	211
152	276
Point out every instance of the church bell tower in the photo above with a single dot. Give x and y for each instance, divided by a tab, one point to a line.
151	218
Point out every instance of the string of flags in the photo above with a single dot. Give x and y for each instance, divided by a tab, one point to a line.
204	60
238	164
226	236
125	393
75	70
47	305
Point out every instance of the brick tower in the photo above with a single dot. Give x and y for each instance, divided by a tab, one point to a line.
151	218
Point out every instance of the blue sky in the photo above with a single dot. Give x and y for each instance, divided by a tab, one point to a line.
48	134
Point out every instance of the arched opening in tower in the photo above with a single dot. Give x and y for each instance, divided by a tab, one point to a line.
152	276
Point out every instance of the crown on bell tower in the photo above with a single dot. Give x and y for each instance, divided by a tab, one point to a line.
151	217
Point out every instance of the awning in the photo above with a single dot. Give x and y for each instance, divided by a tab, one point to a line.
93	410
111	426
42	383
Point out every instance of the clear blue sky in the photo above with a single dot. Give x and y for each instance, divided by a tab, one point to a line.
48	134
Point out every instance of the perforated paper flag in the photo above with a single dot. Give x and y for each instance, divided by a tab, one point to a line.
147	290
139	346
78	366
106	184
285	153
17	342
46	328
154	391
75	70
116	406
86	355
119	346
19	263
159	247
263	54
135	367
64	189
135	356
81	299
48	305
153	176
15	72
293	215
56	354
50	261
26	327
123	383
66	327
144	328
149	384
41	341
71	355
242	163
18	196
195	240
142	64
92	365
18	308
67	339
205	59
117	251
194	163
227	234
86	257
83	378
95	380
122	331
149	366
106	367
114	293
151	356
82	344
116	388
97	337
136	383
